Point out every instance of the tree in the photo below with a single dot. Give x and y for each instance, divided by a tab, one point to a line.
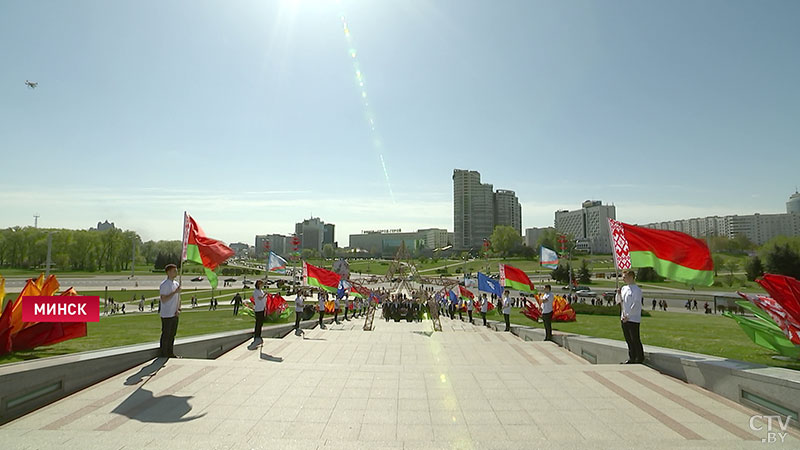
783	260
754	268
560	274
648	274
328	251
584	276
504	238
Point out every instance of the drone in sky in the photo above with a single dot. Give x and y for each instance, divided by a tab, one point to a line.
31	84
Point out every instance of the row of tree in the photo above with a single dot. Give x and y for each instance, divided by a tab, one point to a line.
83	250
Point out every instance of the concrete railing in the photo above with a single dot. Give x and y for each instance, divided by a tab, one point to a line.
772	390
29	385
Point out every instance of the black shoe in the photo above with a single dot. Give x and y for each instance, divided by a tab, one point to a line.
629	362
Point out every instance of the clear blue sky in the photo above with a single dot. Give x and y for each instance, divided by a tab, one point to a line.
249	114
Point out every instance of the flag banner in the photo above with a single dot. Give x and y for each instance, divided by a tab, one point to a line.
342	289
199	248
276	264
453	297
465	293
322	278
548	258
513	278
671	254
486	284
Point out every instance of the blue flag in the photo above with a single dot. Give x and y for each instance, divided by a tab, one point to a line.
342	290
487	284
453	297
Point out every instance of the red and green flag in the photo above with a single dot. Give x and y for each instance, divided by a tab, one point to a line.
322	278
358	291
199	248
513	278
465	294
671	254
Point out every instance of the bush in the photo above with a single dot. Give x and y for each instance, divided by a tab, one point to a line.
648	274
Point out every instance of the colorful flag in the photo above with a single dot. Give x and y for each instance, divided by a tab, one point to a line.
322	278
465	293
453	297
671	254
785	290
513	278
486	284
199	248
276	263
548	258
342	289
359	291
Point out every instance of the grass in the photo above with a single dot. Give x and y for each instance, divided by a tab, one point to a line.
119	330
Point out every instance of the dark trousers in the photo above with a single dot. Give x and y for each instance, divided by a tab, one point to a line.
336	316
470	316
297	315
507	317
483	314
235	309
259	324
321	315
547	318
169	327
635	350
345	313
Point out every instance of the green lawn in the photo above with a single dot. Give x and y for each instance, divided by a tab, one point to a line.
118	330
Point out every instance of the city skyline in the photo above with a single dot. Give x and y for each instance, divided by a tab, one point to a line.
255	116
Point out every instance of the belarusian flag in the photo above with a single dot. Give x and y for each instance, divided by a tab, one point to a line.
465	293
203	250
513	278
317	276
671	254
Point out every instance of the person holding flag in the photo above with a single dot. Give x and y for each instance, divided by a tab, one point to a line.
298	311
630	296
507	309
259	305
484	308
470	306
546	302
170	309
321	297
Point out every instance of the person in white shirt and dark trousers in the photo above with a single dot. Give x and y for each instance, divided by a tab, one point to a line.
484	309
470	306
259	305
169	309
298	312
630	296
321	297
547	312
507	309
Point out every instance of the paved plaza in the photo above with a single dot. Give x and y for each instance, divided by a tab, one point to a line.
398	386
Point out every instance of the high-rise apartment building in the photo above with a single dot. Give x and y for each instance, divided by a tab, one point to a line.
477	209
313	232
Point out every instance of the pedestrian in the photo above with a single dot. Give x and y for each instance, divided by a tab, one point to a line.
169	310
654	304
546	302
336	309
237	301
484	309
321	303
259	305
507	309
141	304
630	296
695	304
298	312
470	306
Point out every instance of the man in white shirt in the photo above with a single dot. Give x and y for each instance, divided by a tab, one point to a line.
298	311
484	308
321	297
546	302
259	306
507	309
170	291
470	306
630	296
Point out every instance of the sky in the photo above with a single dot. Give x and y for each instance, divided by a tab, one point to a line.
253	115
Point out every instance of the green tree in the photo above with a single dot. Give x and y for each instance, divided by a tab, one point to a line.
648	274
754	268
584	276
783	260
328	251
504	238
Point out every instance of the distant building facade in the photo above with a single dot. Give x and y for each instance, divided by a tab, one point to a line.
278	243
588	225
240	248
314	233
385	243
532	235
103	226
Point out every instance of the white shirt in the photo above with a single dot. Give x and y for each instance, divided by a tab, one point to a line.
169	307
631	297
321	301
259	300
469	305
506	305
298	303
484	304
547	302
